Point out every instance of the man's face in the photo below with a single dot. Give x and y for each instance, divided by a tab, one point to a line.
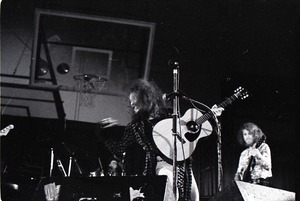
248	138
133	102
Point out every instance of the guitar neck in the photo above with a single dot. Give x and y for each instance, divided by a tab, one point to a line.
228	101
209	114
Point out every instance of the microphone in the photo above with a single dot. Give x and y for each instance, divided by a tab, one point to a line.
173	64
165	96
168	96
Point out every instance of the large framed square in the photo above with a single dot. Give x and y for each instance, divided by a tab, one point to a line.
70	44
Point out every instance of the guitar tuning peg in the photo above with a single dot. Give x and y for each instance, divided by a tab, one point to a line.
239	89
244	96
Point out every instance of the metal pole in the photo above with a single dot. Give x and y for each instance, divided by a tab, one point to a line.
175	119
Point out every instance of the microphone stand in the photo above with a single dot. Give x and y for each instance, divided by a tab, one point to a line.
72	158
175	66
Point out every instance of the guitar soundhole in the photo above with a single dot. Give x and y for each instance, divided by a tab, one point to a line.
193	129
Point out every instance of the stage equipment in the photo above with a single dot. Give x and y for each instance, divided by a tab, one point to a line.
89	86
120	188
175	134
243	191
51	162
61	167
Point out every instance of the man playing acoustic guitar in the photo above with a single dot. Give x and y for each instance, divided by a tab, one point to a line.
148	108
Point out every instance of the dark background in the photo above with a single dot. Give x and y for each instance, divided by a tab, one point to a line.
220	45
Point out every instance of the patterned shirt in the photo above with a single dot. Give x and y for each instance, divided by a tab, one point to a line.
262	166
136	132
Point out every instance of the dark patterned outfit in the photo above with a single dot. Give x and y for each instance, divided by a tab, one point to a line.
140	132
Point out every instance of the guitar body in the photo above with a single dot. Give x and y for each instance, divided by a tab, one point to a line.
189	132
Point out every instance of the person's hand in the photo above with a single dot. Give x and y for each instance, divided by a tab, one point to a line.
108	122
237	177
217	110
255	153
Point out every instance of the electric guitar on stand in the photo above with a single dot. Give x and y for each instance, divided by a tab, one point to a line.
6	130
192	126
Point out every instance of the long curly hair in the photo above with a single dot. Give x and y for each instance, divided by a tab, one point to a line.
149	99
253	129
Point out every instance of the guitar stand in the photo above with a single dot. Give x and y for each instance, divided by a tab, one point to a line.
60	165
71	159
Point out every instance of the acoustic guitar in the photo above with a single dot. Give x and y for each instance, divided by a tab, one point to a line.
191	127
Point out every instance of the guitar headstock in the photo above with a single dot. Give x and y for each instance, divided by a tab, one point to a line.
6	130
241	93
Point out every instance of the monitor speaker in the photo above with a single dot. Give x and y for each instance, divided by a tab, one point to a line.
243	191
114	188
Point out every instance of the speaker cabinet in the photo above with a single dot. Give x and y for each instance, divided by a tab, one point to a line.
243	191
104	188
